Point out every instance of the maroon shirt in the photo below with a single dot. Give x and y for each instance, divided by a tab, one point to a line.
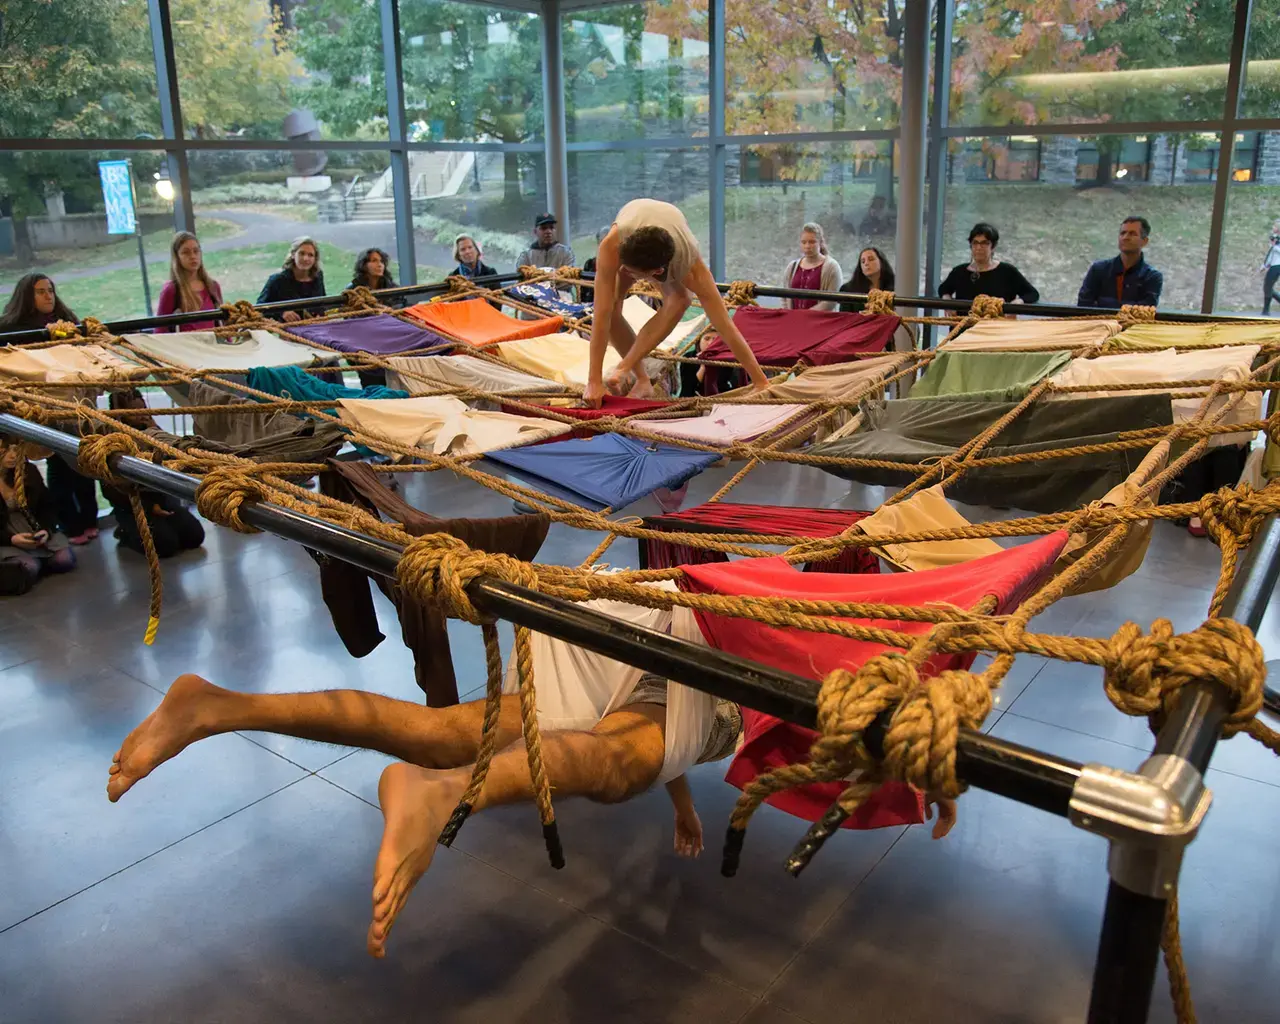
810	279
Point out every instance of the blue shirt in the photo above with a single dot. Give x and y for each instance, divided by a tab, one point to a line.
1140	285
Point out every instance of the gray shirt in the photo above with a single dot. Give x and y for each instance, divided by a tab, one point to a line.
559	255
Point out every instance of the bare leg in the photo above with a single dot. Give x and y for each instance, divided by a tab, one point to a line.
195	709
621	336
616	760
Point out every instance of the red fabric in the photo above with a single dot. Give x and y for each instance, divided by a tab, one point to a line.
1008	576
781	337
811	280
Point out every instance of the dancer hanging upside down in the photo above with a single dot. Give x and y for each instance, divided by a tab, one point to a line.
609	734
651	240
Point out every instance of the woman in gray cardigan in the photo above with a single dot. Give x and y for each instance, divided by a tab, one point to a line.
815	269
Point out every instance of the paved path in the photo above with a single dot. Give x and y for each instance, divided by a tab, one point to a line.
257	229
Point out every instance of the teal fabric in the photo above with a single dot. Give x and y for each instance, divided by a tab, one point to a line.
986	376
921	433
290	382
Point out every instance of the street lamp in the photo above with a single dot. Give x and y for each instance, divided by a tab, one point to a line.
164	187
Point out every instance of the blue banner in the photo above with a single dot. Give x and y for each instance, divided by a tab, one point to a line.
117	193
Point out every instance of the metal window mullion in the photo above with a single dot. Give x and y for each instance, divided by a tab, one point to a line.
719	149
938	142
397	133
1226	150
554	117
171	113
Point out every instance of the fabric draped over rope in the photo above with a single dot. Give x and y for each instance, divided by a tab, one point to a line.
206	350
783	337
290	382
60	363
446	372
563	358
478	323
1009	576
1158	335
986	376
995	334
380	335
725	424
545	296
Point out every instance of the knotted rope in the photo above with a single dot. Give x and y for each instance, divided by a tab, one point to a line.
361	298
528	272
436	569
240	312
740	293
879	301
1137	315
94	452
62	329
458	284
221	493
986	307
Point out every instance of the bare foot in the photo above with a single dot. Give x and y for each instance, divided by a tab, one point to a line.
178	722
643	387
416	804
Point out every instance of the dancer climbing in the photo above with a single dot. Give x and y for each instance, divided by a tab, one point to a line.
651	240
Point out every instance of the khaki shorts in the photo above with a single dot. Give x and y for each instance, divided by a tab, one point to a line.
723	738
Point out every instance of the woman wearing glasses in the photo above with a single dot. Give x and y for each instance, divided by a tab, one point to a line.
986	275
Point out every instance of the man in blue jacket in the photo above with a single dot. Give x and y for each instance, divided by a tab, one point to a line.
1126	280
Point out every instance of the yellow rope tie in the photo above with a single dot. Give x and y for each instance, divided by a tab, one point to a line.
986	307
92	461
60	330
879	302
436	569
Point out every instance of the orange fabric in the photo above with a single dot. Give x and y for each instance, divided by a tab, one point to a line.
477	322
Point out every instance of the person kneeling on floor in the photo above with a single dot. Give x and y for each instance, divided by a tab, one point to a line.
30	544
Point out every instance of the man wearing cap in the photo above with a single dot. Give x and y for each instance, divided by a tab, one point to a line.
546	252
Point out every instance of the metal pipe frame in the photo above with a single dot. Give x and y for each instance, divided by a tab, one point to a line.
553	114
268	308
401	186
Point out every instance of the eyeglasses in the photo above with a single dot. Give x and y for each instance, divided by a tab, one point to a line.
980	241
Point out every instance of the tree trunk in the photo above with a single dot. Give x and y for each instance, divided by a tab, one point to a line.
23	251
511	179
1106	167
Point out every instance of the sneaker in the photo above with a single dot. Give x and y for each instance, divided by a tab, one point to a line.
81	538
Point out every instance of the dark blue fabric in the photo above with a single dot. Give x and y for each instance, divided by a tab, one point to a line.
1142	284
546	297
604	471
291	382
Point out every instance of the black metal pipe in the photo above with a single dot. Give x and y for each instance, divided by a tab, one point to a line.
1011	770
1125	971
269	308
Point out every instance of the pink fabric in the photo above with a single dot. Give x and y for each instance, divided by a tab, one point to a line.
611	405
725	424
1009	576
810	280
819	337
168	303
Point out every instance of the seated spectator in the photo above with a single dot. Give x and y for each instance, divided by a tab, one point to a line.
1127	279
301	278
373	270
189	287
589	267
173	527
546	252
986	275
34	304
873	271
30	544
815	270
467	251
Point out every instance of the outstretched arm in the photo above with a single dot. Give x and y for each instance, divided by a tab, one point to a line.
688	825
703	285
606	301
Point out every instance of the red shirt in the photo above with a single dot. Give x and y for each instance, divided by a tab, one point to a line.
809	278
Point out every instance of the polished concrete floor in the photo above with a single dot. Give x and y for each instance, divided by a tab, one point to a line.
233	885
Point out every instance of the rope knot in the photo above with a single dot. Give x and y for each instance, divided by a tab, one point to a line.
360	297
1137	315
1143	674
222	492
986	307
97	448
741	293
920	744
459	284
879	302
570	273
240	312
62	329
436	568
1230	515
849	702
528	272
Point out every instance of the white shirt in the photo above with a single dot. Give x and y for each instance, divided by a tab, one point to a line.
653	213
1273	256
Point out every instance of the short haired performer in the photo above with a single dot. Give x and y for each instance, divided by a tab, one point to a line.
651	240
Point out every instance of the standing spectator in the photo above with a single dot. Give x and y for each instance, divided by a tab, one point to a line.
301	278
35	304
984	274
815	270
1270	269
372	270
189	287
546	252
30	544
1127	279
470	257
873	271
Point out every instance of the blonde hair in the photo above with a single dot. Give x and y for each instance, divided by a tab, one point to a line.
187	301
815	228
297	244
472	239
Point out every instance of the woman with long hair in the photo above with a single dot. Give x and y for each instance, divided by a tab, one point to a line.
873	271
300	278
34	304
814	269
189	287
30	544
372	270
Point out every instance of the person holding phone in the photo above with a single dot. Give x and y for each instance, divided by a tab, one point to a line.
30	544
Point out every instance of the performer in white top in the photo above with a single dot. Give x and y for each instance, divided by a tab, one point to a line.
651	239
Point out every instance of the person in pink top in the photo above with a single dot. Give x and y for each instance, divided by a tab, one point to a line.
189	287
815	270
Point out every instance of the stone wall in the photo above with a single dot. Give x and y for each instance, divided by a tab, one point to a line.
74	231
1058	159
1269	158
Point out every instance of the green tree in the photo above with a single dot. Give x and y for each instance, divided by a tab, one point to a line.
340	45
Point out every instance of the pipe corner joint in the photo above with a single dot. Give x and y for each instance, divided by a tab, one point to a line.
1149	817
